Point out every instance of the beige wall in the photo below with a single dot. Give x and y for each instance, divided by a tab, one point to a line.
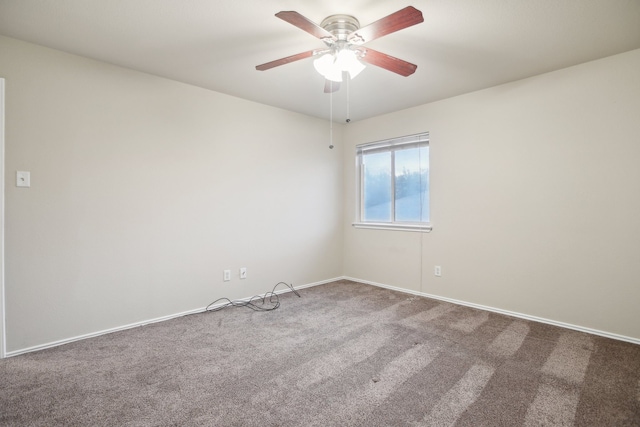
2	337
144	189
535	192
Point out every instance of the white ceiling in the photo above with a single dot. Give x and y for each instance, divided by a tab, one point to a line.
462	46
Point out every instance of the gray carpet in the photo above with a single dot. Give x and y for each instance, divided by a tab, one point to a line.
344	354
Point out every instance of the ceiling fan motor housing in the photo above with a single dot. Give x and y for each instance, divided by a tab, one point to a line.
340	25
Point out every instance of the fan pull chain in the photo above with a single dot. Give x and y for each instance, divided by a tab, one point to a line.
348	100
331	117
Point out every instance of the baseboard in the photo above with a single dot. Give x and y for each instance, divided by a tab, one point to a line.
145	322
309	285
501	311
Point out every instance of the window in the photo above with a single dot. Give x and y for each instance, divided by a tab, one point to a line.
393	183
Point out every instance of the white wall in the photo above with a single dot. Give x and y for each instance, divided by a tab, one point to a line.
535	192
144	189
2	323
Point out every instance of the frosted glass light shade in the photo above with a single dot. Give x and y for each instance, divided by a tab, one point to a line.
348	61
327	67
331	65
323	64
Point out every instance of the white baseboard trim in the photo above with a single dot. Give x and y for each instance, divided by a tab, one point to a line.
147	322
98	333
309	285
501	311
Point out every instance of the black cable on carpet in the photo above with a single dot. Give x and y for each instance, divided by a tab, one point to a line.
256	303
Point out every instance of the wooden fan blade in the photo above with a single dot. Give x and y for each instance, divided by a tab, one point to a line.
286	60
294	18
330	86
390	24
387	62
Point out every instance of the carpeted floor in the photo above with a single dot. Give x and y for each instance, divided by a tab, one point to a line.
344	354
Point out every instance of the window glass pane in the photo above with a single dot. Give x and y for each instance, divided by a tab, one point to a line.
377	187
393	185
412	184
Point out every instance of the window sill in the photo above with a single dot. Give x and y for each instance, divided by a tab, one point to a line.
423	228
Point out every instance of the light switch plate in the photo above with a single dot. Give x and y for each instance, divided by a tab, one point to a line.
23	179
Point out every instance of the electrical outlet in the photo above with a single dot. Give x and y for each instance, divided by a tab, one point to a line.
243	273
437	271
227	275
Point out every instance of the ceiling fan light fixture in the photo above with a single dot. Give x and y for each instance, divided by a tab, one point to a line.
332	65
347	60
323	63
327	67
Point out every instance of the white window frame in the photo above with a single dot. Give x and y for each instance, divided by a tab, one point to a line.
386	145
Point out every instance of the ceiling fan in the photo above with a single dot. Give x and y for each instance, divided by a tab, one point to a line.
344	39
